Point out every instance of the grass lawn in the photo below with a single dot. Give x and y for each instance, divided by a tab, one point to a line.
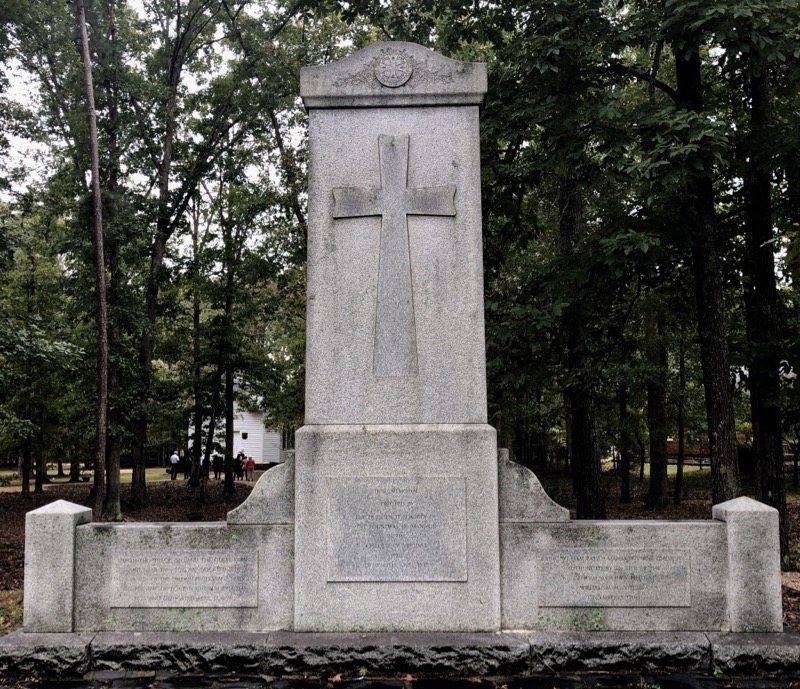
10	610
672	469
9	477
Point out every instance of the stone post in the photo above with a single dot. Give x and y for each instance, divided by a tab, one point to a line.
50	565
754	572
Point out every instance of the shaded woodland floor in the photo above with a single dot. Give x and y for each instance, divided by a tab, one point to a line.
175	501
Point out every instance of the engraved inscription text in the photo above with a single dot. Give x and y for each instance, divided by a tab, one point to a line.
183	578
614	578
397	529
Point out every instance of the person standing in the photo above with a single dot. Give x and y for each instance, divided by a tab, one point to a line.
175	461
250	467
238	466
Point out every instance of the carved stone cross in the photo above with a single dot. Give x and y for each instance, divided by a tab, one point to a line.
395	346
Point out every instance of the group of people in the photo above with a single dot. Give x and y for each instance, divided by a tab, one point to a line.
243	467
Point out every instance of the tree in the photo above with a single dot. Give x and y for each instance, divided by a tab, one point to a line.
100	269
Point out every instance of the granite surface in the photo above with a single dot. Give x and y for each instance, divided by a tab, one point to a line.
521	496
272	499
754	571
136	656
618	651
183	577
422	514
610	575
416	354
395	74
33	654
50	565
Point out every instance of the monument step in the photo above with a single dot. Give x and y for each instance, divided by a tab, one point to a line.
133	655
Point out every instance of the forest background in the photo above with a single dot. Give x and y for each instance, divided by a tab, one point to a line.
641	204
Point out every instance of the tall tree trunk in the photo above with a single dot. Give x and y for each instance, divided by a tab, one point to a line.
212	427
197	422
681	420
763	330
707	271
25	467
112	509
196	450
227	360
658	493
585	455
40	477
27	405
229	488
174	64
792	202
100	272
74	466
625	443
586	471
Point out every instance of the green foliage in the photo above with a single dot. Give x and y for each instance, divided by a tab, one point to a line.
578	91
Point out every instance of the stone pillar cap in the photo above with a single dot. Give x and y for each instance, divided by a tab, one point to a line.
393	74
61	507
740	504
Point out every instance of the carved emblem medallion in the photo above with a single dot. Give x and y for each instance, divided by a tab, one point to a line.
393	69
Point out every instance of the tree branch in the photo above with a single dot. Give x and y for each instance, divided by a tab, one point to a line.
648	79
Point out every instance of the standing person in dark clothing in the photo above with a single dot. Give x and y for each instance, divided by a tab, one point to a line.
239	465
217	466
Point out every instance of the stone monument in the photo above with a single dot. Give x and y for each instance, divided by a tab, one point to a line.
396	514
396	468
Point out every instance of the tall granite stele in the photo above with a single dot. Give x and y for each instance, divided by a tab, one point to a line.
396	508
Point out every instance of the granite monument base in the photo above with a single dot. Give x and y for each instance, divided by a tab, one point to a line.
396	528
135	656
395	540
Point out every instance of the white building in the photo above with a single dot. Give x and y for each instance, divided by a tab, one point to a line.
249	436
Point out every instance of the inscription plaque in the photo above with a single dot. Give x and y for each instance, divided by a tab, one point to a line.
614	578
183	578
397	529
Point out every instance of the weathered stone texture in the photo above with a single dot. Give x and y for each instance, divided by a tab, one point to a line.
754	570
187	554
178	651
612	572
448	379
31	654
458	462
610	651
272	499
521	496
50	565
393	75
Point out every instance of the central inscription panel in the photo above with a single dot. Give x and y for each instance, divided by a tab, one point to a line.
397	529
184	578
614	578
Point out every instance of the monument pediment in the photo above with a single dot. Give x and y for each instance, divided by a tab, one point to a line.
393	74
